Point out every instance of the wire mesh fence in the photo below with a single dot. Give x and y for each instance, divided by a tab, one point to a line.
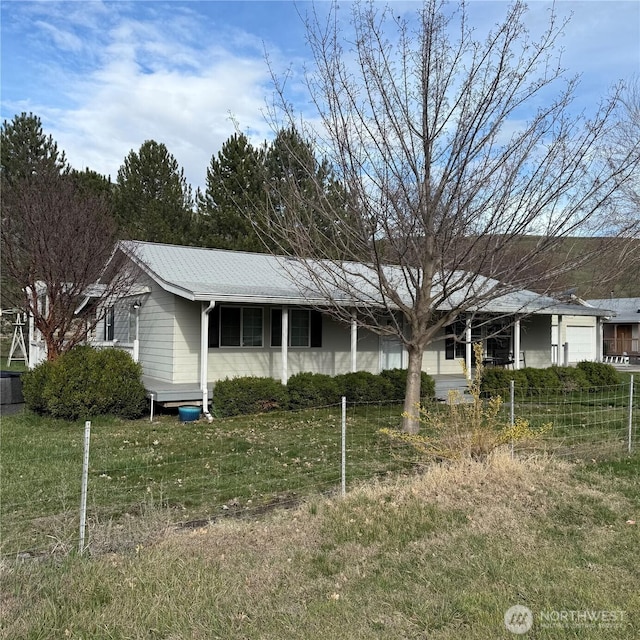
144	475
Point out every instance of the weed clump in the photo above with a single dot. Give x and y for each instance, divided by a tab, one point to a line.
466	429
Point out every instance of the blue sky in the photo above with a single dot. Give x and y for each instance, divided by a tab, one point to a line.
106	76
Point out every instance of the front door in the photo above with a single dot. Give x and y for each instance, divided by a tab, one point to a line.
623	339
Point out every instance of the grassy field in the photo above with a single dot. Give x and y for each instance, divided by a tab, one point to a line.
186	472
440	554
193	472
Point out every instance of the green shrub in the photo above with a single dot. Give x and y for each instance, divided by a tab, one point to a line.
599	374
398	380
34	382
120	390
86	382
308	390
571	379
541	380
69	392
496	382
247	395
363	386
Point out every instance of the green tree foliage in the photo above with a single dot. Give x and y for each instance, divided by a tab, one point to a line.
296	180
25	154
26	151
250	189
57	234
234	188
153	200
92	182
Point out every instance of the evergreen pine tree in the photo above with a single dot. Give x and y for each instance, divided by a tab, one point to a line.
26	151
234	189
152	199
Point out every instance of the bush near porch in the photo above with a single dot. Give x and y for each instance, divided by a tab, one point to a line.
585	376
86	382
246	395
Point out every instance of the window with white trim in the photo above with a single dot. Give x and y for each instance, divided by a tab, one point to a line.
236	327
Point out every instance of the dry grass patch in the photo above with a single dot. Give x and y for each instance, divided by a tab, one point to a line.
440	554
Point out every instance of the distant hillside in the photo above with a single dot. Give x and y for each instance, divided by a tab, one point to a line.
616	272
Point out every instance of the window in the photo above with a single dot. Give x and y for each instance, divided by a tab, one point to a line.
454	349
299	326
251	327
305	328
109	321
235	327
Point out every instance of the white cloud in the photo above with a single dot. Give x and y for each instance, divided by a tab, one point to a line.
105	76
149	83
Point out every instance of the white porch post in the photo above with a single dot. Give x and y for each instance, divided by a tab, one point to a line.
204	355
560	356
33	354
354	344
468	346
284	346
599	339
516	344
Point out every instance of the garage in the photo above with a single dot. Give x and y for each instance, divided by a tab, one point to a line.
582	343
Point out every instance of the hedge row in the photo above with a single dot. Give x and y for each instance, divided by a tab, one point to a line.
241	396
86	382
586	376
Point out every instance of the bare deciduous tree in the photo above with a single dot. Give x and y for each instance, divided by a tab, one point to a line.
625	138
56	241
452	150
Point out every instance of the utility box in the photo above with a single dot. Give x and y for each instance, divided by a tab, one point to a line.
11	387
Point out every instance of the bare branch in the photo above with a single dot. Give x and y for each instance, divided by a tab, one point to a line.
464	164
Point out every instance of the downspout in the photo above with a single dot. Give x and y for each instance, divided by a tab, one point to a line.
204	358
136	341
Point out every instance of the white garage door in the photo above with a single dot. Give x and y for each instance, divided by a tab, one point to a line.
582	343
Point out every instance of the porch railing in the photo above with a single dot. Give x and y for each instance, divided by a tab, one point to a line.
620	346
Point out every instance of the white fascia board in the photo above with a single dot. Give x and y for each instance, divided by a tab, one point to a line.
272	300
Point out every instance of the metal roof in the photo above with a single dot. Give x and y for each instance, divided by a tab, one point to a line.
627	310
204	274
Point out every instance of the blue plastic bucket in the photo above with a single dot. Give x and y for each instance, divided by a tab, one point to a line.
188	414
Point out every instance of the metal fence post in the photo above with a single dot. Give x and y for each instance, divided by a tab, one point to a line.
512	415
630	413
343	473
85	475
512	400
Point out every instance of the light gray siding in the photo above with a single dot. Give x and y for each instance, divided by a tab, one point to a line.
333	358
535	344
157	321
170	346
186	341
434	361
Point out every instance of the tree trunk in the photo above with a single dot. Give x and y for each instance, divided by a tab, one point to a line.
410	422
53	349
